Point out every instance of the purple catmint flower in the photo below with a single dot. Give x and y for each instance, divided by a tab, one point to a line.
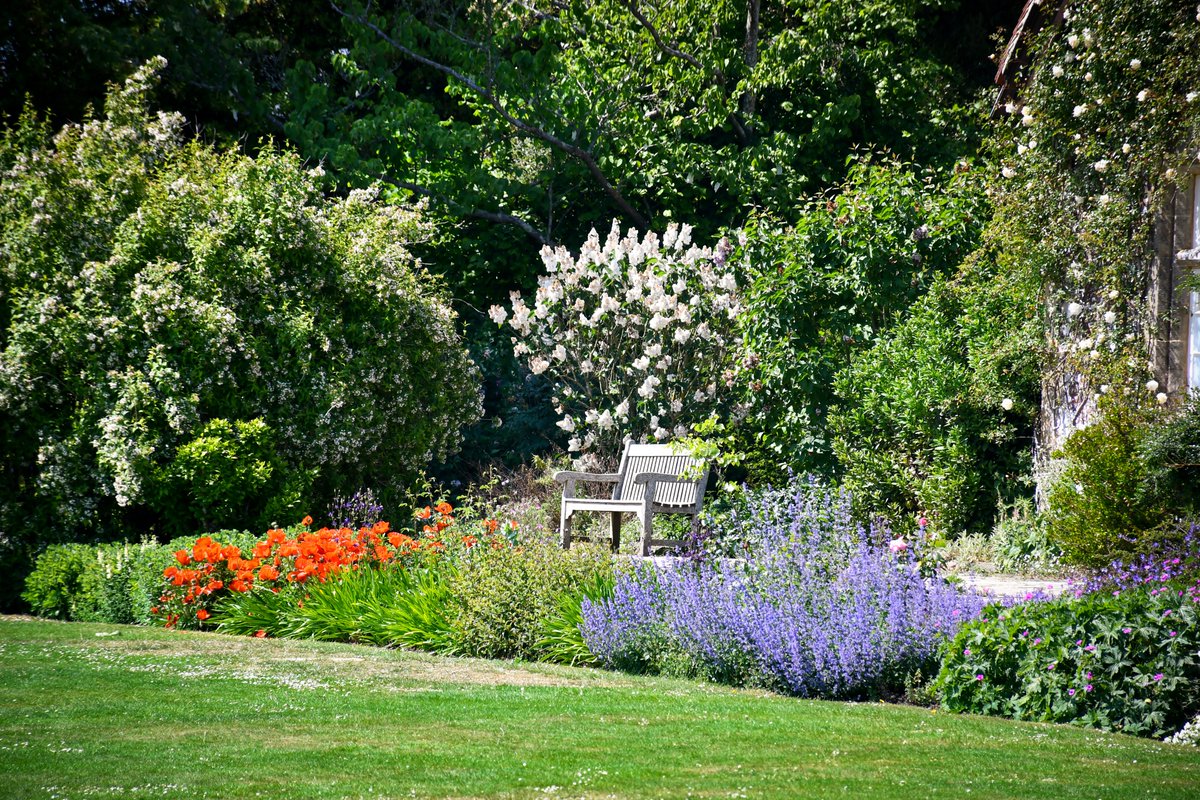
820	606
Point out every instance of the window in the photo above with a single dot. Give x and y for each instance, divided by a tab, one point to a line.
1193	343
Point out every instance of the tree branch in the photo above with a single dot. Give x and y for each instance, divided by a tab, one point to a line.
479	213
586	158
672	50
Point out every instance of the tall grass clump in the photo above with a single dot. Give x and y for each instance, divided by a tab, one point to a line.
821	607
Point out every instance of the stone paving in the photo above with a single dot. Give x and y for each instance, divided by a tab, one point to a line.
1000	585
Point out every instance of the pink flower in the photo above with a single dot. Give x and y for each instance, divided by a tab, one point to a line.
1052	665
1071	692
897	545
967	652
922	522
979	677
1087	688
1158	676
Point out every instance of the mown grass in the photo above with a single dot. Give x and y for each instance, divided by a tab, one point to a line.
151	713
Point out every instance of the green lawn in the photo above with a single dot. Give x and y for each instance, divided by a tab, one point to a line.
151	713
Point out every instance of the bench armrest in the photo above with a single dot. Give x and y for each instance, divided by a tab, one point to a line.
587	477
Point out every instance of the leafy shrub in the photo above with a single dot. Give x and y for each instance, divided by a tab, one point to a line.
824	290
934	419
1117	660
200	305
823	608
55	586
507	594
1021	542
1098	505
1170	449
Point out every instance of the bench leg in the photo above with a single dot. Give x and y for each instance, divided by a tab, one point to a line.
564	528
646	529
616	531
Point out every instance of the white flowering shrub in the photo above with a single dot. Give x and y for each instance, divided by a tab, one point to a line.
637	336
159	299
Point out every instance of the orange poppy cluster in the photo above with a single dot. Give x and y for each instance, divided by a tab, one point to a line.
278	560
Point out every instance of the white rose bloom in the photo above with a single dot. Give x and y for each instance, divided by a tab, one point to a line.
1101	165
560	353
1010	108
1104	388
1006	404
682	335
676	406
1080	110
1074	309
1160	398
1072	41
1085	344
1143	95
642	363
658	322
1057	70
586	366
1110	317
1008	172
605	421
662	434
1114	294
1089	77
1152	385
1191	96
698	396
1135	64
567	424
622	409
538	365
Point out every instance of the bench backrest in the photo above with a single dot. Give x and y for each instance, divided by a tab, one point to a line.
662	458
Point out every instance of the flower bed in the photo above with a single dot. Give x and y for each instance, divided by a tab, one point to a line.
821	607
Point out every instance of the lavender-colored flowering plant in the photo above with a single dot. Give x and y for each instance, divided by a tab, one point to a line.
819	607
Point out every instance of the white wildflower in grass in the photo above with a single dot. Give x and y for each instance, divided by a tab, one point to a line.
644	322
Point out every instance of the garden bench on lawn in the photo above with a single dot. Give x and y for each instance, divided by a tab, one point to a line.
652	479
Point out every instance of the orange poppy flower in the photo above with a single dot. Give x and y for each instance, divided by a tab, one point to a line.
490	525
202	614
239	585
469	541
182	557
444	508
424	513
260	633
306	521
268	573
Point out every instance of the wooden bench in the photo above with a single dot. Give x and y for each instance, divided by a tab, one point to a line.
652	479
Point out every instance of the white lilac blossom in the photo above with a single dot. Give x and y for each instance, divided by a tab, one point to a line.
625	310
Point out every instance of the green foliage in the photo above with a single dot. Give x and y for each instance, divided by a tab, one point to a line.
1170	449
508	594
115	583
1098	506
562	635
850	269
1124	661
392	607
1022	543
166	309
54	587
921	427
228	471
